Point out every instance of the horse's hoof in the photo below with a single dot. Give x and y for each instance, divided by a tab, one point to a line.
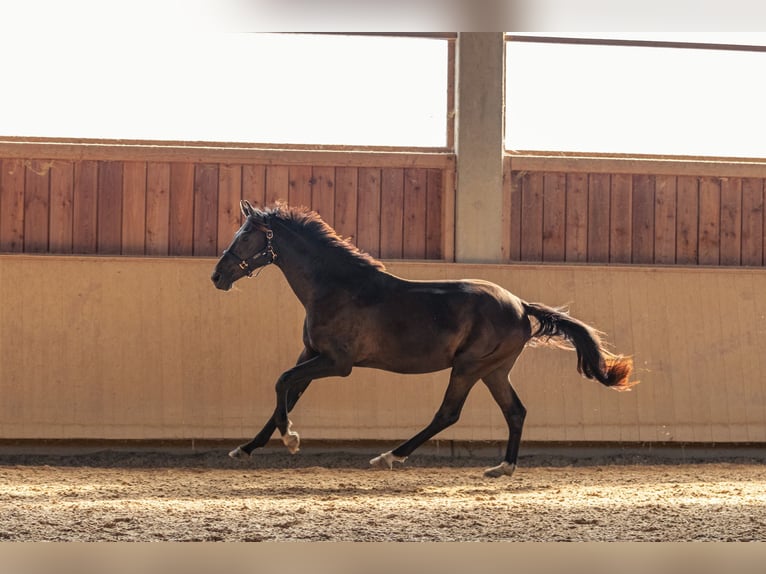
238	453
502	469
386	460
292	441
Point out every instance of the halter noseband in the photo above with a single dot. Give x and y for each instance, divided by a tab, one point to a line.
248	265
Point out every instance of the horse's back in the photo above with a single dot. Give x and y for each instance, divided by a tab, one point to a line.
421	326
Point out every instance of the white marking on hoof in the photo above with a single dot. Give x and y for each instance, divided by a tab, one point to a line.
291	439
386	460
502	469
238	453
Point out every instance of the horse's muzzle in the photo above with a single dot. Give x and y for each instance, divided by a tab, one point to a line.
220	282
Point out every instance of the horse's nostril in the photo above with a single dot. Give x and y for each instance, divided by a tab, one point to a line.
215	277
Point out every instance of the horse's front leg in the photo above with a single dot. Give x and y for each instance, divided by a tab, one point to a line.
298	377
244	451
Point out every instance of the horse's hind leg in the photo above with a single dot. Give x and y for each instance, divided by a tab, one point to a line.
514	413
448	414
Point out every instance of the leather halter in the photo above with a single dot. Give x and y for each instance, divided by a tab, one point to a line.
249	264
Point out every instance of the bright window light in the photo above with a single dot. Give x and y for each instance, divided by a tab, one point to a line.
258	88
643	100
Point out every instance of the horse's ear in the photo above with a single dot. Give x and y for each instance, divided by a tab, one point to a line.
246	208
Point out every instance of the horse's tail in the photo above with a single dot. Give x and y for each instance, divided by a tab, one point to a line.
593	360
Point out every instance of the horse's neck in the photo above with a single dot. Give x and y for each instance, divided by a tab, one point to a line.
302	268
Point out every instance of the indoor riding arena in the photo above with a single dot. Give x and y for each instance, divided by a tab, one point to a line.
126	377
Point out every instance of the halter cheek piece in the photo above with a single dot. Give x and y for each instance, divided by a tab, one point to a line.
249	265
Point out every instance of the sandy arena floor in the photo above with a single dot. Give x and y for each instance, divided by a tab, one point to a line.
204	496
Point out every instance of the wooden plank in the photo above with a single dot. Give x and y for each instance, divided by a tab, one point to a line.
345	202
254	184
710	221
229	196
368	217
194	152
621	219
634	164
731	221
109	225
576	223
299	192
554	217
84	237
323	193
665	219
643	203
687	220
157	208
532	217
391	213
277	184
180	232
415	205
61	201
205	209
448	215
752	221
133	208
434	213
36	206
12	205
599	207
512	185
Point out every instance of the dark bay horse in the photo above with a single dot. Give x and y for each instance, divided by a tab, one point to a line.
357	314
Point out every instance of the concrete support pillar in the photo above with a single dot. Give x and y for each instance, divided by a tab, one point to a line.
479	131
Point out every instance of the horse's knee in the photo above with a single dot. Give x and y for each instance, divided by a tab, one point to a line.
447	418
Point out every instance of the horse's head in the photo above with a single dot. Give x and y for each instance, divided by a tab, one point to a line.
250	249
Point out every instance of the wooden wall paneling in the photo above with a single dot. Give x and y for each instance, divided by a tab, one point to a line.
731	221
159	223
133	208
346	179
180	232
205	209
752	221
554	216
109	225
687	220
532	217
599	207
710	221
665	219
323	193
229	196
61	199
300	182
12	205
576	223
415	204
254	184
391	213
621	219
277	184
85	206
36	206
511	213
642	228
434	214
368	207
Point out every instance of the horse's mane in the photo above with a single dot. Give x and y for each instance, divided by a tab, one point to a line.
310	225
